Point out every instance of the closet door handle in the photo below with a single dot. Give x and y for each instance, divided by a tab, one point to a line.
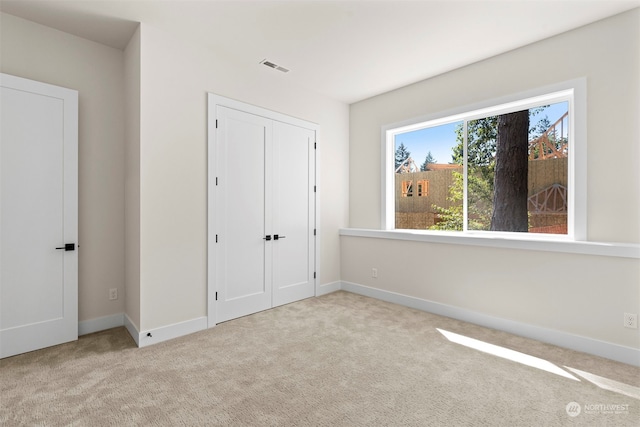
276	237
68	247
269	237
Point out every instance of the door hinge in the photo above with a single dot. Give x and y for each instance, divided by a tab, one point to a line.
314	231
315	145
314	274
216	296
216	123
216	238
216	180
314	188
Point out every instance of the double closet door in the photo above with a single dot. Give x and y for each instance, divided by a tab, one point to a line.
261	210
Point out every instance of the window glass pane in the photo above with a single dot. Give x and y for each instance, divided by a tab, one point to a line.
481	156
517	171
426	178
548	169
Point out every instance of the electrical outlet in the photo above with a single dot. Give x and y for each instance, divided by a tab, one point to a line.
631	320
113	293
374	273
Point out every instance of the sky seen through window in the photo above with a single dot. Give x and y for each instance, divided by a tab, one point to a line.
440	140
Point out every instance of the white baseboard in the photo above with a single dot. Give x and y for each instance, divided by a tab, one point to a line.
164	333
131	328
608	350
100	324
327	288
142	339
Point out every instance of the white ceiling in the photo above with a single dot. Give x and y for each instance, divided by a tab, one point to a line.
347	50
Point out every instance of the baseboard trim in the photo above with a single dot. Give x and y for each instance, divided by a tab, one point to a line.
327	288
141	338
164	333
131	328
100	324
608	350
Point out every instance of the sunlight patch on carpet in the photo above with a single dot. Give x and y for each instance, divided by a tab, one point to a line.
607	384
505	353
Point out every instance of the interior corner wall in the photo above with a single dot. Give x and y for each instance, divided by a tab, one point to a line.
41	53
583	295
176	75
132	179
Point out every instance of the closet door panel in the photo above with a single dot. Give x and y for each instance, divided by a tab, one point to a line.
242	258
293	213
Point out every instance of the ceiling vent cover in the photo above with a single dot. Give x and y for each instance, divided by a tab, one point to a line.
274	66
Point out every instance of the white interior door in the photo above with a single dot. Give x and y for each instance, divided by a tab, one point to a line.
293	213
261	210
242	267
38	177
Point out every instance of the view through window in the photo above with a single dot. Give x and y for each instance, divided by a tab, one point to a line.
503	172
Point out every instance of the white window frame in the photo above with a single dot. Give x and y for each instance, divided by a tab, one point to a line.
573	92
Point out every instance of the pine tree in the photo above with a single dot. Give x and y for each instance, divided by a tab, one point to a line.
402	154
427	161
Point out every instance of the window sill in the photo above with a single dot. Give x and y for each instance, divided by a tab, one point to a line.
620	250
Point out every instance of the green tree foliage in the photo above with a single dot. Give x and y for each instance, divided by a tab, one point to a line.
427	161
482	134
481	144
402	154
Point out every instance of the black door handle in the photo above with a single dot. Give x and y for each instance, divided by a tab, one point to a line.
267	238
68	247
276	237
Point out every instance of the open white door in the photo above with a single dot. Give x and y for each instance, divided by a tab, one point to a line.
38	215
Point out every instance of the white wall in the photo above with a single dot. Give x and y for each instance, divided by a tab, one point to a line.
132	178
40	53
578	294
175	78
153	96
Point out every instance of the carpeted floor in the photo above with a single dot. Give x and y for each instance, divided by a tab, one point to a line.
337	360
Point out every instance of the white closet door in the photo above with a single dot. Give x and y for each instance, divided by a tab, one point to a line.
38	158
293	213
261	239
243	264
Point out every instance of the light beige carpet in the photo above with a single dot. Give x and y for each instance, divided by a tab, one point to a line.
337	360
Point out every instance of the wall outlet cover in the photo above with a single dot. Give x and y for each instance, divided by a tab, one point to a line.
631	320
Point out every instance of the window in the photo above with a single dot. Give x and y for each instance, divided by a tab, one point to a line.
423	188
407	189
509	168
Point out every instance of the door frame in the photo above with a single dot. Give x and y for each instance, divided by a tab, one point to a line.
24	339
213	101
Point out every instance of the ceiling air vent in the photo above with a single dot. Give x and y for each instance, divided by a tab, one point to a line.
274	66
